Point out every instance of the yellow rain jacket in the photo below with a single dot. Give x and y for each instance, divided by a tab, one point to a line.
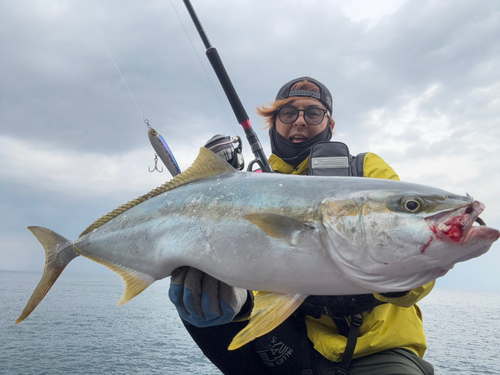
396	324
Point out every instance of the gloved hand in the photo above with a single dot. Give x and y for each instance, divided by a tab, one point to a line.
204	301
222	145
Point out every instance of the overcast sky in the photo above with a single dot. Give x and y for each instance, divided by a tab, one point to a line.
415	81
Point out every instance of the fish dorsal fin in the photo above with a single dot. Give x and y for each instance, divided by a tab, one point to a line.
207	164
270	310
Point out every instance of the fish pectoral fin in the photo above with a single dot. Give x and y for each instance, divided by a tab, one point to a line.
270	310
135	282
282	228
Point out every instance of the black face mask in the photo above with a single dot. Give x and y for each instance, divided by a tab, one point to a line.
295	153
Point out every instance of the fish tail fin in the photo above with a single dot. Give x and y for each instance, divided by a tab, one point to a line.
58	253
270	310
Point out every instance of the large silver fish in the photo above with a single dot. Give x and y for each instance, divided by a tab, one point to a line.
291	236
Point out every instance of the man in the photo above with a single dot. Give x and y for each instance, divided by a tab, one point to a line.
362	334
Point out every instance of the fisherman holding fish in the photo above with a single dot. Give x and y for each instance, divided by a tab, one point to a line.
350	334
279	274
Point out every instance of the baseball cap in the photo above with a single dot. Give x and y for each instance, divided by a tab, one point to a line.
323	96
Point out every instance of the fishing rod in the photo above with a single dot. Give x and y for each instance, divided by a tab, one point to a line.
232	96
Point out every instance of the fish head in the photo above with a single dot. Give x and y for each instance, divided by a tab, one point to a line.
398	240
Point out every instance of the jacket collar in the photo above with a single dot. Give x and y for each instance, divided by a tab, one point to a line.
280	166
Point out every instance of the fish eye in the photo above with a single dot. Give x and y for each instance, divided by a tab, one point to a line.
411	205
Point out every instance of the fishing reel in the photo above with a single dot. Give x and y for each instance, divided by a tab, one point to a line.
222	145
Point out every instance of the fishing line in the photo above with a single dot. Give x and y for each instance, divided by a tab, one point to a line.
157	141
206	73
119	72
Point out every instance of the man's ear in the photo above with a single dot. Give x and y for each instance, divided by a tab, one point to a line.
332	124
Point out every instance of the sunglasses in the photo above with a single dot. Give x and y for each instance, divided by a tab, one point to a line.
312	116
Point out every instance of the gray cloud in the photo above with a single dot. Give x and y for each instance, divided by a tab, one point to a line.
415	81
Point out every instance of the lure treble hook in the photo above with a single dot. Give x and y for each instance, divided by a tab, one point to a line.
156	165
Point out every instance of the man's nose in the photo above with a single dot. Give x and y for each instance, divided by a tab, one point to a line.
300	121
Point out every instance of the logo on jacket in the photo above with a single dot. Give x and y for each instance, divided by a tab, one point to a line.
275	352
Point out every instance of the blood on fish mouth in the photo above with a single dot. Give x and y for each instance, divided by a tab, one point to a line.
456	225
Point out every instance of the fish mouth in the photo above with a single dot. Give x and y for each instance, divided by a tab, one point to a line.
457	226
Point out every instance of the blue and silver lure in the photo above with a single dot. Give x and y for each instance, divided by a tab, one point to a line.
163	151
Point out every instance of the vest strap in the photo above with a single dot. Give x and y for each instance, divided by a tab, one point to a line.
304	345
352	338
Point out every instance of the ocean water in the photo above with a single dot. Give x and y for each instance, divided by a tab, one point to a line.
79	329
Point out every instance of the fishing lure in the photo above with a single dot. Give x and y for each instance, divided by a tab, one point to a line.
163	151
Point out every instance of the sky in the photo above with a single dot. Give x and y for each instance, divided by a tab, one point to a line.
416	82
